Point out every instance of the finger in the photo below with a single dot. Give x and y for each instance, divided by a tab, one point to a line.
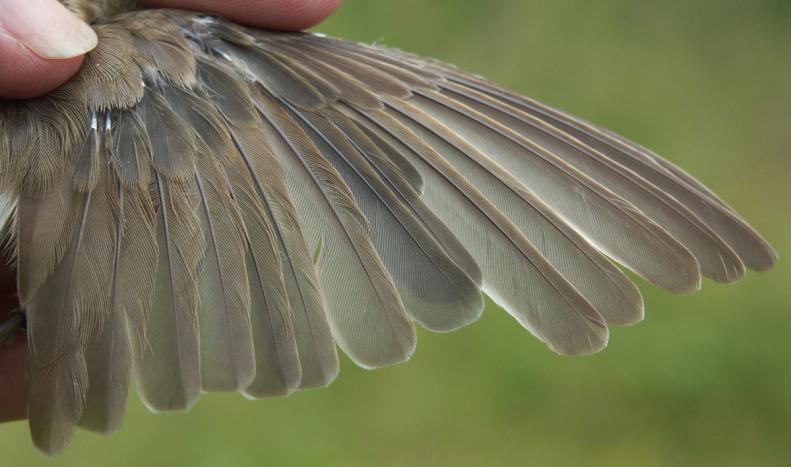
41	46
275	14
12	357
12	371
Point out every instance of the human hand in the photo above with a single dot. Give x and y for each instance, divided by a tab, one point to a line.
12	355
42	44
41	47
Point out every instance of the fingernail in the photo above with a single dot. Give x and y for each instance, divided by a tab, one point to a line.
47	28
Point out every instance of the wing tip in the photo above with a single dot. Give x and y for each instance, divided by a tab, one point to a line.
237	383
685	280
729	273
631	318
593	344
383	359
462	314
105	426
768	259
159	405
51	443
267	391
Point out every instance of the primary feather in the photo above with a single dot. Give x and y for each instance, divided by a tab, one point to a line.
210	207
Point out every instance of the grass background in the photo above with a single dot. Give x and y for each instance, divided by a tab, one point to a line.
704	381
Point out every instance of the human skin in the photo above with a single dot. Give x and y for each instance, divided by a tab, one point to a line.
25	74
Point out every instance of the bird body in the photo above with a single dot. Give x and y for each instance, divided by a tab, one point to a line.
209	207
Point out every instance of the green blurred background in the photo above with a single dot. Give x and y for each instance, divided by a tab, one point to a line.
706	380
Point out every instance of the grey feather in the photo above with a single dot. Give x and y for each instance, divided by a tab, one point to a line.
273	229
108	351
365	311
435	291
612	224
255	197
515	274
7	208
276	74
752	249
71	303
613	295
716	258
227	357
397	178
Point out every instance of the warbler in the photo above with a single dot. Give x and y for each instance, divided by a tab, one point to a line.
212	207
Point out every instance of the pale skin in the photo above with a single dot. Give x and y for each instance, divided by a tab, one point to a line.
25	74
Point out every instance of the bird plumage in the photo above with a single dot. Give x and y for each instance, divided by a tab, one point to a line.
211	207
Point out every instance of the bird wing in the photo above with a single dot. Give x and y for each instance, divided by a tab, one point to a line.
208	207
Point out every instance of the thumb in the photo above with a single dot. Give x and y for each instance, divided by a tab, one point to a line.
12	356
41	46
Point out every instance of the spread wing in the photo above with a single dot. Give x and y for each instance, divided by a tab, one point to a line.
207	207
